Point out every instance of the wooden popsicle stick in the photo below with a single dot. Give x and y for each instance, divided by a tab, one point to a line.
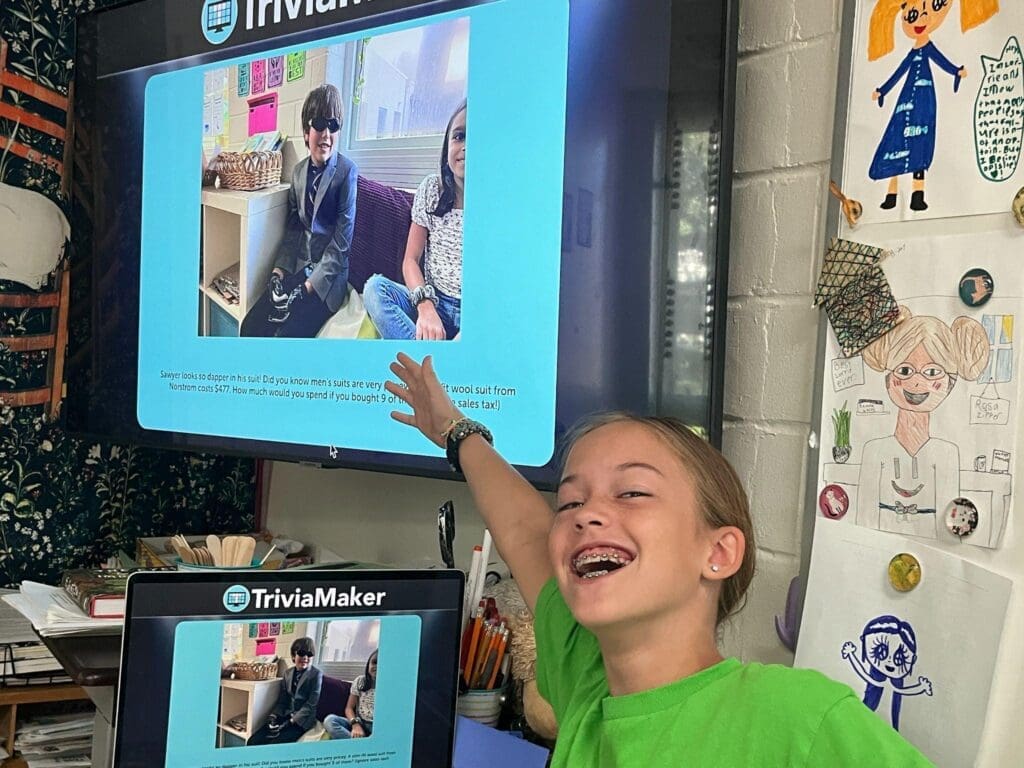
213	544
230	545
245	550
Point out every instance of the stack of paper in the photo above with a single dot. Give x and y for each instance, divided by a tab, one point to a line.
56	741
24	660
53	613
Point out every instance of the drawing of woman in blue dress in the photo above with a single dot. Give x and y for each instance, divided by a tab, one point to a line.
908	144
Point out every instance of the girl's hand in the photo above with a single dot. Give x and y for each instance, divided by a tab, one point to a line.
876	95
357	731
428	323
432	409
962	73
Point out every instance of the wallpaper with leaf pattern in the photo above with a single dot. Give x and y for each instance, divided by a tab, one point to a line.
65	502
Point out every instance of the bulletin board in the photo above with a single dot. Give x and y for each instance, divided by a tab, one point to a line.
913	549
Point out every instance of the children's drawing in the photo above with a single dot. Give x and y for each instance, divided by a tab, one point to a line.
243	79
907	478
1000	341
858	629
888	652
258	75
841	430
908	143
856	295
999	113
275	71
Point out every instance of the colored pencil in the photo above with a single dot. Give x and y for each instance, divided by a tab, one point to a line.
477	621
502	645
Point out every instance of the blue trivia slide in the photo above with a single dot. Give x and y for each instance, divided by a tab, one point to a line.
329	391
201	730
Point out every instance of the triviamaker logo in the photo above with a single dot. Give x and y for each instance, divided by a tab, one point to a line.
220	16
238	598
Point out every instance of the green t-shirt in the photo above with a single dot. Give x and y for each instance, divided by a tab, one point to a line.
731	715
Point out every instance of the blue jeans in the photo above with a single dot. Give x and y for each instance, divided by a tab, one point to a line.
391	309
339	727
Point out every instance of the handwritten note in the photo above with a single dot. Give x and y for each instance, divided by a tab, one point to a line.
259	76
990	411
999	113
847	372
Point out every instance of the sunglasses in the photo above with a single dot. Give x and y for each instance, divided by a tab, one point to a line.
304	655
321	123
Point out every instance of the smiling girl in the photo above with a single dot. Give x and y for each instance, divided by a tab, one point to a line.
908	478
650	549
908	144
429	305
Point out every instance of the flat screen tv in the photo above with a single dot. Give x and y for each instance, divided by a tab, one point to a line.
580	264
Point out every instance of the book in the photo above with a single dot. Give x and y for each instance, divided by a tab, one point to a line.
99	592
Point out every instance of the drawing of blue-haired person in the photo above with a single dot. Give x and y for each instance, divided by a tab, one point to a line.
888	650
908	144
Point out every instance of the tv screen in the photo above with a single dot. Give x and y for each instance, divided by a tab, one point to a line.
273	198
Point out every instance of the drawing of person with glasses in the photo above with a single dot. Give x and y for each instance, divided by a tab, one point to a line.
908	478
888	651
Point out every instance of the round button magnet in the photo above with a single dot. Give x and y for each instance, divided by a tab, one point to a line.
833	502
904	572
961	517
976	287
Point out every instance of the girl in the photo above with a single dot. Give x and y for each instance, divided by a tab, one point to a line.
429	305
888	650
650	549
358	720
908	144
907	479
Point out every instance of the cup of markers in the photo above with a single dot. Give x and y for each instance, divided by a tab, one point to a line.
484	664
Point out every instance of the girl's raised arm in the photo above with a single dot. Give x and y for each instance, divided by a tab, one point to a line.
516	514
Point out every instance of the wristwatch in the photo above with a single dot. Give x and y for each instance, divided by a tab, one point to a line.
458	432
423	293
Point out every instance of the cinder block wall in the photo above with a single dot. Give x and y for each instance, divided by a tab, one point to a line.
785	101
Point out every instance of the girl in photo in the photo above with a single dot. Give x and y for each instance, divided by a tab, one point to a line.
908	478
650	549
908	144
429	305
358	720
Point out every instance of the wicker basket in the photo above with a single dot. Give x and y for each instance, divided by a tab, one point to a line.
248	171
254	670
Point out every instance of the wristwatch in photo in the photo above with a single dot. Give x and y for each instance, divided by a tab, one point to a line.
458	432
423	293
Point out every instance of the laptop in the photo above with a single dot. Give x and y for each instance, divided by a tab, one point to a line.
199	684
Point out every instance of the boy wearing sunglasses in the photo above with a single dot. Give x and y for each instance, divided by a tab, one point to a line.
295	711
309	282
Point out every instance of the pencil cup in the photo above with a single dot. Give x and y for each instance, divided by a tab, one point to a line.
482	706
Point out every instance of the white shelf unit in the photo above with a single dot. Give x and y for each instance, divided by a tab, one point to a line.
253	698
241	234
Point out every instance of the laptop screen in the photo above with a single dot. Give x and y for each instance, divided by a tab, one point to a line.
289	668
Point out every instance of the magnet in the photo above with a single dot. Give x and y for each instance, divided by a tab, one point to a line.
904	572
1018	207
976	287
961	517
833	502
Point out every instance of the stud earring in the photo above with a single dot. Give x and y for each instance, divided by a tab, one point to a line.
714	569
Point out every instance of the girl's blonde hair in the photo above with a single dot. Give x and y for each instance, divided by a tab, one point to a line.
961	348
720	497
881	30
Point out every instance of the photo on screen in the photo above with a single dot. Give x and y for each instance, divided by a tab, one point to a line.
333	188
297	681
